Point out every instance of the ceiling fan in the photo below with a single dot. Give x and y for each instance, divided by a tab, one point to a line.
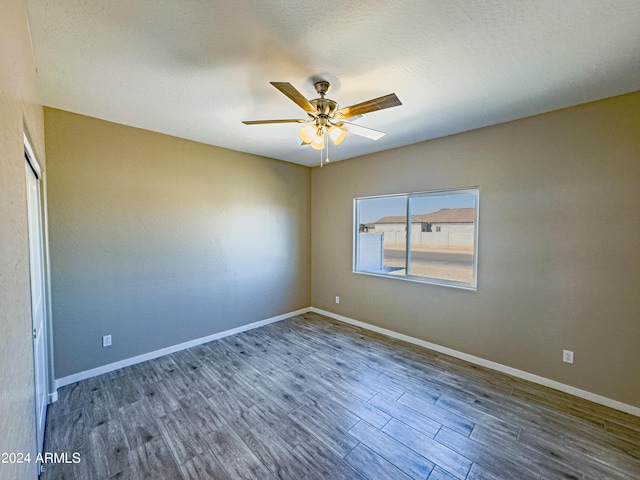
325	119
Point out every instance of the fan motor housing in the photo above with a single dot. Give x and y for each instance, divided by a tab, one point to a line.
324	106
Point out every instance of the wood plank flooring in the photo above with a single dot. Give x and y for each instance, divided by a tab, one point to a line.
310	398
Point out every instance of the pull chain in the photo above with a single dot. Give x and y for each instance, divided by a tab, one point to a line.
326	141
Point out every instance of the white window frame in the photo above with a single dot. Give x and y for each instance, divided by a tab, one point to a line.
413	278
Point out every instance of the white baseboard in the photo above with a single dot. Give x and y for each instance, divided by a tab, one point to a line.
76	377
94	372
489	364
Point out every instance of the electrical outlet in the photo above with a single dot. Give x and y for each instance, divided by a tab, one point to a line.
567	356
106	341
337	299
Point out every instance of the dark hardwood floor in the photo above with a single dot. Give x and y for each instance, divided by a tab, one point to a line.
310	398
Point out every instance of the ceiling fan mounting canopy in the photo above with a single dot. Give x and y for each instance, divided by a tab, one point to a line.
322	87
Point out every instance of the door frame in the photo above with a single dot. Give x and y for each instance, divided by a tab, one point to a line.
32	161
52	391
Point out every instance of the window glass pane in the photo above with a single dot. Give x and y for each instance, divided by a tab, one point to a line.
443	236
382	242
442	229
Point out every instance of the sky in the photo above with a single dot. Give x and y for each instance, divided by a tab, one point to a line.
372	209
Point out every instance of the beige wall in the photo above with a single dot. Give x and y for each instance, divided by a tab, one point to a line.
19	109
157	240
559	266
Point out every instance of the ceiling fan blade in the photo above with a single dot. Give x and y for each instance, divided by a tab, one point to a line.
261	122
291	92
361	131
380	103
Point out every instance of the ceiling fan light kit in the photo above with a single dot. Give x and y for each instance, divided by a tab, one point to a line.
325	120
307	133
336	134
318	143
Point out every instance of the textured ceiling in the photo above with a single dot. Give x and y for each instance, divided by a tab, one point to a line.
197	68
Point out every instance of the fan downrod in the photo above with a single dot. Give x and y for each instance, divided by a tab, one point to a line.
324	106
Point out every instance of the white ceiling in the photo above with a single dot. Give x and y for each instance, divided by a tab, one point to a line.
197	68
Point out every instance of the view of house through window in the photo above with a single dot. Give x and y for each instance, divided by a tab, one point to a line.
437	245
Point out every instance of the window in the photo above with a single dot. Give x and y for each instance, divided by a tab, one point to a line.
437	245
